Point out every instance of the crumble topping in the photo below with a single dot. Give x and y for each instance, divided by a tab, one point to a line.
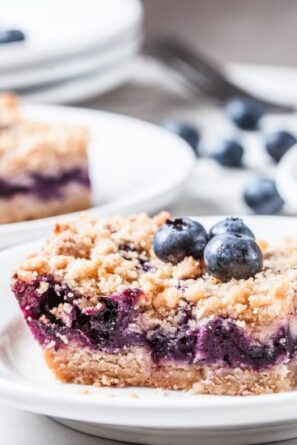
101	256
27	145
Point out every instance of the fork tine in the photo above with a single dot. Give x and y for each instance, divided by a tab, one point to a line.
194	79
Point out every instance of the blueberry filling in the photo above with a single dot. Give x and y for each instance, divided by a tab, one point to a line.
179	346
223	341
113	325
45	187
110	325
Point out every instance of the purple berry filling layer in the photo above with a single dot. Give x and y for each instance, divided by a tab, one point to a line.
114	326
45	187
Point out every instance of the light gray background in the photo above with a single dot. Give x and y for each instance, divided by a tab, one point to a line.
262	31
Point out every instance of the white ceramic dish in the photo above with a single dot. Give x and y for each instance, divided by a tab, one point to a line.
94	24
51	72
91	84
137	415
272	82
134	166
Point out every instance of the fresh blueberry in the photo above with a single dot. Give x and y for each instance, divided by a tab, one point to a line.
233	255
245	113
262	197
278	143
11	36
228	153
186	131
230	225
179	238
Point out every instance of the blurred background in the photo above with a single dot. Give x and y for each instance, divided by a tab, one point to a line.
112	56
257	31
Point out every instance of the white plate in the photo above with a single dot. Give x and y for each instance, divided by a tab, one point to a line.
94	24
272	82
48	73
150	416
91	84
134	166
88	87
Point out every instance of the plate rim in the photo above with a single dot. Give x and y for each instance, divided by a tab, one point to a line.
62	70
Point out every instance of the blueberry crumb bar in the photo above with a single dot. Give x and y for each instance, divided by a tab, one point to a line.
43	166
158	302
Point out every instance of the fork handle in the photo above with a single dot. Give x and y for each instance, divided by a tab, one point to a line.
202	74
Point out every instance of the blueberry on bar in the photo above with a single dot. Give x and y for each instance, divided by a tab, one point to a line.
230	224
43	166
179	238
233	255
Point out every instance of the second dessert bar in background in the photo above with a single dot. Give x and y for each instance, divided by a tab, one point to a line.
43	166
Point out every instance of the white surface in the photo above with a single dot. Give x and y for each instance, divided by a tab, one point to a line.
128	159
51	35
41	76
287	177
26	383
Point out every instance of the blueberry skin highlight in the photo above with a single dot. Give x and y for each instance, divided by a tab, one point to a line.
228	153
230	225
179	238
262	196
232	255
244	113
186	131
278	143
11	36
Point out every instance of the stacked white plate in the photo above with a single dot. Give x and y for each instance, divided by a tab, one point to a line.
73	50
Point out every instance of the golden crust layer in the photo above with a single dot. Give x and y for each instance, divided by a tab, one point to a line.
134	368
21	208
91	256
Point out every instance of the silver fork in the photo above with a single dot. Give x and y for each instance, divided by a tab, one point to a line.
201	74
